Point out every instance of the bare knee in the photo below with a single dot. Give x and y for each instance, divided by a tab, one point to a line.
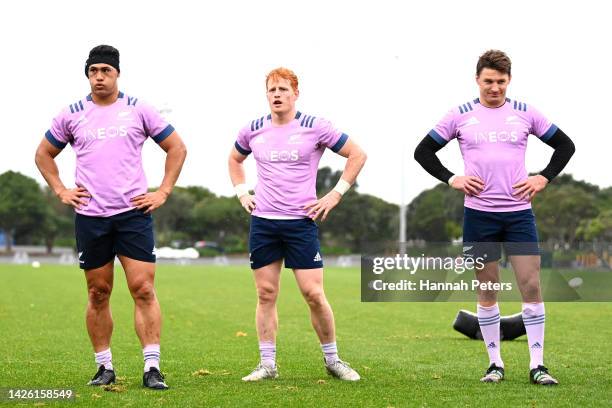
487	296
143	292
530	288
99	295
315	298
266	295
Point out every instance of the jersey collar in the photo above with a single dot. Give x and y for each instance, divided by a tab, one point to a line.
91	100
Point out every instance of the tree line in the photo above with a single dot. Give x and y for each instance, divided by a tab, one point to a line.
567	211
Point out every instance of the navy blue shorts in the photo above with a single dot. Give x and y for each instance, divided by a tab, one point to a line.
484	234
297	241
99	239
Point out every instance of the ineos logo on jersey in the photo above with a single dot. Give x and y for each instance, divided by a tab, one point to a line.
501	136
280	155
284	155
105	132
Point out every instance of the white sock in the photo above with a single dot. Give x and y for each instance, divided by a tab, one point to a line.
104	358
151	356
267	353
534	317
488	319
330	350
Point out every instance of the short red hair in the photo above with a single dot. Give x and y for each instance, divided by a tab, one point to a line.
283	73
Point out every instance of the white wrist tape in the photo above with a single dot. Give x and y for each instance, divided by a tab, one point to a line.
451	179
241	189
342	187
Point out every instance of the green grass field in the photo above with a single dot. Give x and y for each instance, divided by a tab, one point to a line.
407	353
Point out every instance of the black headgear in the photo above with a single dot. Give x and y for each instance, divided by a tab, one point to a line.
102	54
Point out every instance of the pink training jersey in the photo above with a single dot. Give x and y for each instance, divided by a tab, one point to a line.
493	142
287	160
108	141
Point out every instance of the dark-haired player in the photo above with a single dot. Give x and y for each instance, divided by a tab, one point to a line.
106	130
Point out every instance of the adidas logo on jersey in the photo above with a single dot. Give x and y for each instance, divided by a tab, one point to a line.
472	121
317	257
81	120
467	248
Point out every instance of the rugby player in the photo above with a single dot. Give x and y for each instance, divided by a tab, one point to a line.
106	130
492	132
287	146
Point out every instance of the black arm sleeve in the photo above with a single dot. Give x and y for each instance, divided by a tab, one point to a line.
425	154
564	149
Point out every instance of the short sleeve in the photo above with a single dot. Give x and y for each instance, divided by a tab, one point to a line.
329	136
154	124
540	125
242	143
446	129
59	134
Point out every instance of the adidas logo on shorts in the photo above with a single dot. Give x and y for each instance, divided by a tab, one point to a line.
317	257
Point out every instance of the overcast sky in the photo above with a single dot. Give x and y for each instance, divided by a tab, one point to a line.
384	72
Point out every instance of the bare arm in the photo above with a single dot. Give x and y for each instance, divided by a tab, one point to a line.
45	161
175	157
356	158
176	151
236	170
236	173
